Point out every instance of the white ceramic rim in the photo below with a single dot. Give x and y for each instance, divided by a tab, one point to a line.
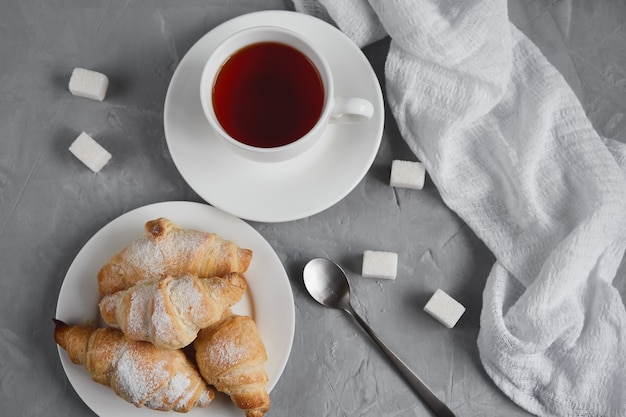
269	298
250	36
328	172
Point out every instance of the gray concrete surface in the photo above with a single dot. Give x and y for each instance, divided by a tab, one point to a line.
50	204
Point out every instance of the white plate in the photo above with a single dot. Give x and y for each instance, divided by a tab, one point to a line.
274	192
269	299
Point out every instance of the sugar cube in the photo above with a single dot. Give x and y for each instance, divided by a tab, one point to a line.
89	84
378	264
444	308
90	152
407	174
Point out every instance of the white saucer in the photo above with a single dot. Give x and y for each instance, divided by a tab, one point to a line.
284	191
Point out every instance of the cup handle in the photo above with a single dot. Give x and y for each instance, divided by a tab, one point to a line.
351	110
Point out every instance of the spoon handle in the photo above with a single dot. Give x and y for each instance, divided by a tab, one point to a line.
436	405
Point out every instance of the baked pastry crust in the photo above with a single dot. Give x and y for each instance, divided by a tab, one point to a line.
167	249
138	372
231	356
169	312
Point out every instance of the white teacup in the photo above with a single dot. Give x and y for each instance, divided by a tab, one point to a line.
268	102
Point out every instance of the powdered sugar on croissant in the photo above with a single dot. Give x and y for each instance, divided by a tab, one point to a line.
231	356
167	249
139	372
169	312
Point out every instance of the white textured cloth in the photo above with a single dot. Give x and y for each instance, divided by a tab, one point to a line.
511	151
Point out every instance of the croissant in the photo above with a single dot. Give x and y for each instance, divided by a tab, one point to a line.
169	312
231	357
139	372
167	249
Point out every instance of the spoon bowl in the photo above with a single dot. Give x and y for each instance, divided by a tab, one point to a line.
328	284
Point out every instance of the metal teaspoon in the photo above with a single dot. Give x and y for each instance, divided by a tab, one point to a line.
327	283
